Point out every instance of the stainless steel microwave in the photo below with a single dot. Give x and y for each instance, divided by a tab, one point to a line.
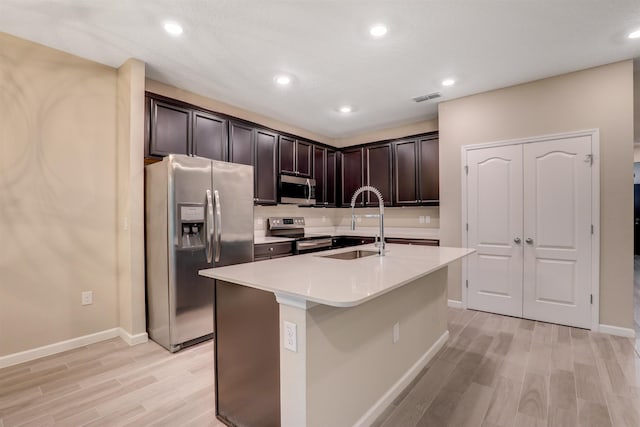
297	190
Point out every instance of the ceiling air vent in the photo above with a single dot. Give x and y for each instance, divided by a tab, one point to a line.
427	97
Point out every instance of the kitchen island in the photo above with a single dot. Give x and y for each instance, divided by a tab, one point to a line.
349	334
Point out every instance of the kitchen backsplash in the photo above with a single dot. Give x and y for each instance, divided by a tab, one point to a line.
427	217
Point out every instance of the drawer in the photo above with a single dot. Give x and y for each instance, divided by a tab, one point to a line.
272	249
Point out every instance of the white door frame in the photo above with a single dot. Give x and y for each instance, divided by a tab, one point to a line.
595	208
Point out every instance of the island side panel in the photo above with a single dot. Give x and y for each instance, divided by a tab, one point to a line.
351	360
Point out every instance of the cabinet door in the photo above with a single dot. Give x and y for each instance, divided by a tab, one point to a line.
494	206
209	136
351	175
240	143
265	171
170	129
378	172
429	188
406	176
319	174
303	158
330	172
287	154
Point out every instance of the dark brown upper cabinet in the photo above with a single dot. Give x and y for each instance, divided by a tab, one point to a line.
324	172
209	136
170	129
295	156
416	171
265	168
259	148
378	165
352	175
241	144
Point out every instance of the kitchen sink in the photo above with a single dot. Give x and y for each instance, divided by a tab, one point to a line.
355	254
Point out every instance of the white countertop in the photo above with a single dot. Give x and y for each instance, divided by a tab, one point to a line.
336	282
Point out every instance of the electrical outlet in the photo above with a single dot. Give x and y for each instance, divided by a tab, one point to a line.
396	332
427	219
290	336
87	297
421	219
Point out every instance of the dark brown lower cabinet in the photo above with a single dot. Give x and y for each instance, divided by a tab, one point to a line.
421	242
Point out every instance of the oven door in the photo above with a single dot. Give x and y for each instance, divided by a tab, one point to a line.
312	245
297	190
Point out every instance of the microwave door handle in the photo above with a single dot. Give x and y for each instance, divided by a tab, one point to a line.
218	225
209	225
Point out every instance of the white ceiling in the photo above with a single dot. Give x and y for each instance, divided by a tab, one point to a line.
231	49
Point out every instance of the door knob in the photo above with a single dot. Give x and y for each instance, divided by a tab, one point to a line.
517	240
529	240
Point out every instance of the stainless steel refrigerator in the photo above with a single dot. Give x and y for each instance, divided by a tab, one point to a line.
198	214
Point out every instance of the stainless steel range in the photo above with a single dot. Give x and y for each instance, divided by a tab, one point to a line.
294	227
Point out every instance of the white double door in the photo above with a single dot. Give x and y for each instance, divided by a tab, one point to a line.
529	219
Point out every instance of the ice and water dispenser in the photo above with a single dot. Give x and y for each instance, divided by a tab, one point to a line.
191	226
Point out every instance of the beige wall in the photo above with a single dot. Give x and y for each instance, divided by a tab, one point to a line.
130	202
390	133
57	195
221	107
636	153
600	98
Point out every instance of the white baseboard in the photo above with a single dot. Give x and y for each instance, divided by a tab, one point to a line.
133	339
454	303
379	407
616	330
59	347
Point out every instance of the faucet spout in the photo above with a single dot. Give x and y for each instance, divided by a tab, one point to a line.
380	215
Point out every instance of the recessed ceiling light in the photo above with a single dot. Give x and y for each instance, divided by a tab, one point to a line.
282	79
448	82
378	30
173	28
634	35
345	109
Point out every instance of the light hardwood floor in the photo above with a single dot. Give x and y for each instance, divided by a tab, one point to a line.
494	371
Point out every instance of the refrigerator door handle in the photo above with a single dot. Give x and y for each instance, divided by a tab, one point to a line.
309	188
209	232
218	225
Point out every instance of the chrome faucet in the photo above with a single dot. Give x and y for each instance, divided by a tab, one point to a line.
380	216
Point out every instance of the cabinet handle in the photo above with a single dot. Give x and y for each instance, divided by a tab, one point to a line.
529	240
271	249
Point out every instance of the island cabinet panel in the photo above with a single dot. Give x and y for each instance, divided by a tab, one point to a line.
324	172
241	145
265	167
378	166
416	171
170	129
295	156
352	175
209	136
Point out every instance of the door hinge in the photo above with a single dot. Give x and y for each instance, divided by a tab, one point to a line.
591	298
589	159
467	226
466	170
467	283
591	228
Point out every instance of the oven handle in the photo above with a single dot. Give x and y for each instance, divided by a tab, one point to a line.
314	244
